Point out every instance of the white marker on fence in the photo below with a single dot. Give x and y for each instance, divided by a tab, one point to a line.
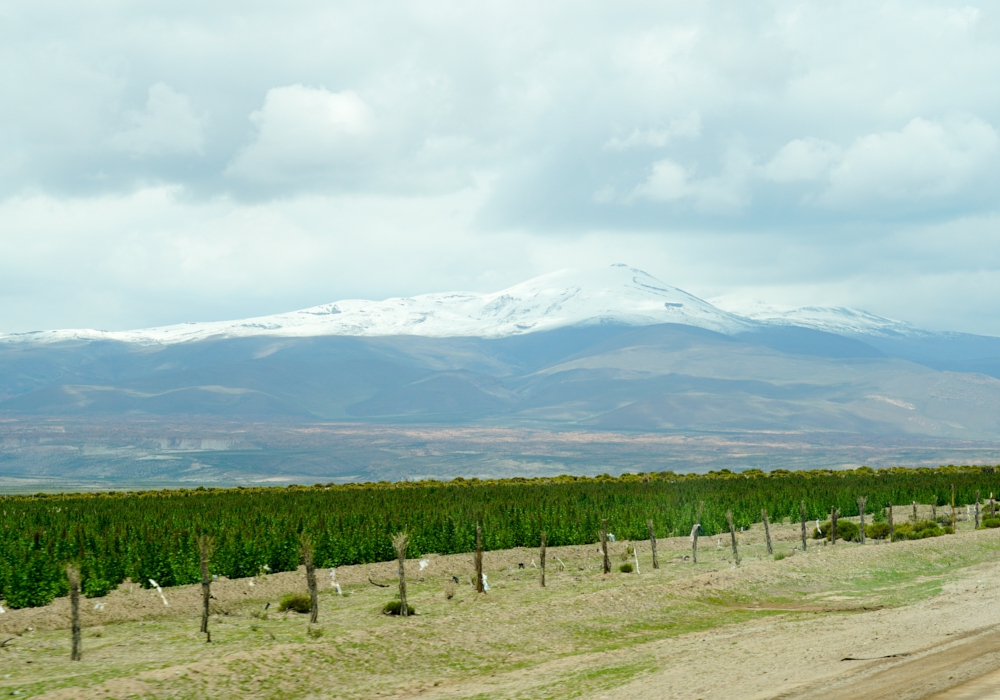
160	591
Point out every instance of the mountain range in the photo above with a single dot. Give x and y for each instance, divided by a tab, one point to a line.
612	348
616	295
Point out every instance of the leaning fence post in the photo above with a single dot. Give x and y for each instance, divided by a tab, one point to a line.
73	574
541	556
861	507
604	546
204	549
480	588
802	512
732	535
767	531
307	559
652	544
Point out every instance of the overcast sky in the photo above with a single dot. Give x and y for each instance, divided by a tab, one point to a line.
182	161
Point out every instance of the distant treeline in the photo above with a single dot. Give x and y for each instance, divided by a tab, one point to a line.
146	535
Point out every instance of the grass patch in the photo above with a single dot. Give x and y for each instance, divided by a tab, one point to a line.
394	607
297	602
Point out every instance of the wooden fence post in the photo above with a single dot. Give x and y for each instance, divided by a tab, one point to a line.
652	544
833	525
204	550
732	535
977	510
479	559
307	559
861	508
604	546
399	542
993	506
914	511
767	531
892	528
541	556
694	543
802	512
954	520
73	574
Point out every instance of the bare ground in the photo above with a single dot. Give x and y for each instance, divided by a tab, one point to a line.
907	620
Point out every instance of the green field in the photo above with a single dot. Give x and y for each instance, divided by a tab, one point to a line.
114	537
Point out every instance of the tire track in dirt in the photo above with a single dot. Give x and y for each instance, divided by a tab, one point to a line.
937	673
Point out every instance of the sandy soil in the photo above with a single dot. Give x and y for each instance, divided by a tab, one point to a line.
906	620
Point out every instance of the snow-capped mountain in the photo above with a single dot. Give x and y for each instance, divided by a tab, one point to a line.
831	319
617	294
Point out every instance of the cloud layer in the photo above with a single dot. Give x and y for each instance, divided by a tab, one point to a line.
766	149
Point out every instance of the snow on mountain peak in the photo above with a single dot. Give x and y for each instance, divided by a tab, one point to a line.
616	294
831	319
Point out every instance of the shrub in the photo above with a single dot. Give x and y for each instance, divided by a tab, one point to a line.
299	602
393	607
625	568
918	531
97	587
991	522
846	530
34	582
779	556
877	531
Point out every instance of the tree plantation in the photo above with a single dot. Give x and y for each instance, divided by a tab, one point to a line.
154	535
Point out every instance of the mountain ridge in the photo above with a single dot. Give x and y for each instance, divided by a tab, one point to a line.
618	294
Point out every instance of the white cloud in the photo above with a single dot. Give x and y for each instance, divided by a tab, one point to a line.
725	193
167	126
684	127
302	131
926	161
667	182
802	160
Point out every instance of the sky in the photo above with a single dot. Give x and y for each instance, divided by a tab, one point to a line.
163	162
